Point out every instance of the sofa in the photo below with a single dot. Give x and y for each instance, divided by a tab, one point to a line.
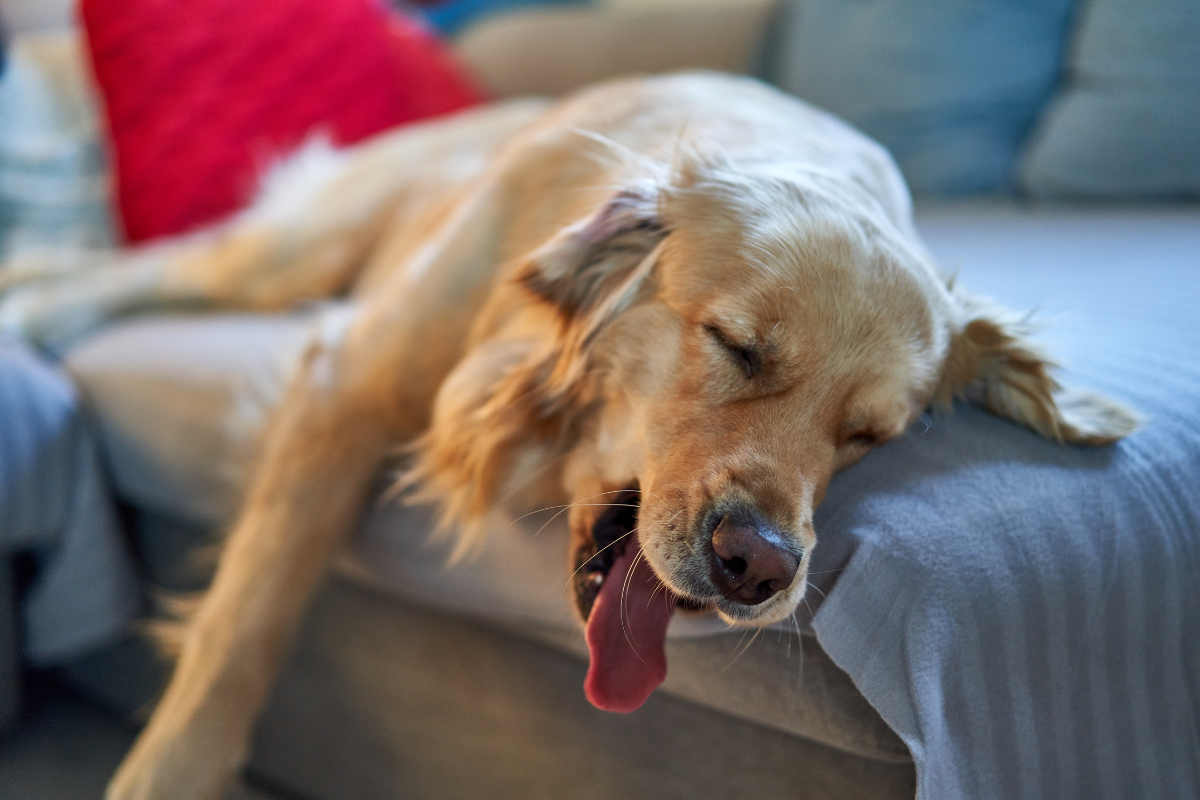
412	679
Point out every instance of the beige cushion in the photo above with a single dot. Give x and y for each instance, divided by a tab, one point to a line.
551	51
27	16
181	401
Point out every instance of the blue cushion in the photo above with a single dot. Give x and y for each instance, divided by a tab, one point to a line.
1129	122
951	87
451	17
54	502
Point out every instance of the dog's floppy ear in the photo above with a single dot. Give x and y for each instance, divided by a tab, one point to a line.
581	267
991	361
509	405
590	272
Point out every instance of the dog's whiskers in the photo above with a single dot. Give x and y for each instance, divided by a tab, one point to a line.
742	648
661	588
598	552
683	539
572	505
811	613
624	609
826	571
799	648
568	505
581	502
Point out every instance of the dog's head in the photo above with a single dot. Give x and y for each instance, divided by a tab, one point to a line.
697	358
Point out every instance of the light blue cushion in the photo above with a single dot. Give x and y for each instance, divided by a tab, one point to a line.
1129	122
951	87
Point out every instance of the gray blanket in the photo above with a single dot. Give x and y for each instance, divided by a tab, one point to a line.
1027	616
54	504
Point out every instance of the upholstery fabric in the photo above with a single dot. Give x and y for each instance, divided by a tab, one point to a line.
29	16
557	50
55	503
1127	124
951	87
203	95
385	699
1023	613
181	400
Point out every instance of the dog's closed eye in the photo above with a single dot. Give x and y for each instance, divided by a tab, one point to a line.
746	357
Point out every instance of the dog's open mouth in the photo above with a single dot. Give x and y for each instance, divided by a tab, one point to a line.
627	609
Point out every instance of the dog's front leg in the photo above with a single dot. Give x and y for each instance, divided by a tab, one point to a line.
325	445
322	453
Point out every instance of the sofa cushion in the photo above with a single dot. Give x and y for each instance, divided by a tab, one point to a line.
29	16
951	87
181	400
1127	124
555	50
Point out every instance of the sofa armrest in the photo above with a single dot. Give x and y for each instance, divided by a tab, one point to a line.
551	51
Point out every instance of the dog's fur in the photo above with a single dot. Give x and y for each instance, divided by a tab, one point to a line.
691	286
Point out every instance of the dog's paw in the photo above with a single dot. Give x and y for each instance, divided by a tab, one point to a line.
51	315
55	313
157	770
152	788
27	265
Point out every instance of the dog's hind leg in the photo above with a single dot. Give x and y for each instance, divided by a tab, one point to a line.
344	413
317	220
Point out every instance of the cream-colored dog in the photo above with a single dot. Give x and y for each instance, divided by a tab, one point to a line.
679	303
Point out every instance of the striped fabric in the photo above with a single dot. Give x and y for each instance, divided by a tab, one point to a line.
54	182
54	503
1027	616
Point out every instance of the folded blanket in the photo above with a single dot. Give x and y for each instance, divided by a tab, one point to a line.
1024	615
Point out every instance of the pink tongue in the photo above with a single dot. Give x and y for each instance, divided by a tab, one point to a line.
625	635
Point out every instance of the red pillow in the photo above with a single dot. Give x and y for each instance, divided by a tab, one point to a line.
202	95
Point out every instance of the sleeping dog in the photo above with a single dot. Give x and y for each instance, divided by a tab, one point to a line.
677	304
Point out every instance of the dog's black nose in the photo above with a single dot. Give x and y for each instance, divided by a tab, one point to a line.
750	564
